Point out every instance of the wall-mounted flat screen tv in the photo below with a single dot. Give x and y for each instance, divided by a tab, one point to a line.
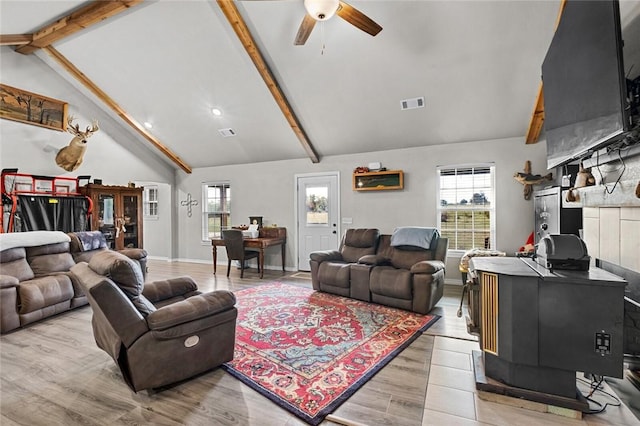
584	83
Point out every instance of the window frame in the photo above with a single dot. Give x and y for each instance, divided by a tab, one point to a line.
205	235
491	207
147	202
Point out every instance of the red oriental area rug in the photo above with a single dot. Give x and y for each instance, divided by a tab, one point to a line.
309	351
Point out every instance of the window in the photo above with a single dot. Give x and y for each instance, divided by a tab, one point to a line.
150	202
317	211
216	209
467	206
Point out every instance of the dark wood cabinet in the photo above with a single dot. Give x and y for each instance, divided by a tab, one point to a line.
117	213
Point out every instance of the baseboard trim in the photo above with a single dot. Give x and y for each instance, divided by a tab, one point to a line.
453	281
224	264
180	259
160	258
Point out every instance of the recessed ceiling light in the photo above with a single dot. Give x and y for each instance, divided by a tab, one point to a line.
147	125
216	112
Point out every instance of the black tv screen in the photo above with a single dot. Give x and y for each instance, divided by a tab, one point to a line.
584	82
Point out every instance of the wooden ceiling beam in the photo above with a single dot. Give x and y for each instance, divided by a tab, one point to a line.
244	35
537	117
15	39
90	14
81	77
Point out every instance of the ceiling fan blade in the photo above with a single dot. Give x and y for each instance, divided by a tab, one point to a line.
305	30
358	19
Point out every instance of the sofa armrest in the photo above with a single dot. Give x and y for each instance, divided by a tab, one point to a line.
427	267
157	291
8	281
373	260
191	309
325	255
134	253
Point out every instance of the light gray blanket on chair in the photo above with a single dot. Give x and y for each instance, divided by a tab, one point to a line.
413	236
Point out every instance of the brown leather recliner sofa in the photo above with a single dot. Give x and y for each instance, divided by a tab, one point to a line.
34	278
158	333
35	282
404	270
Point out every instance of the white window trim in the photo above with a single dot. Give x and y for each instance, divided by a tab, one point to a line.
146	203
203	223
492	209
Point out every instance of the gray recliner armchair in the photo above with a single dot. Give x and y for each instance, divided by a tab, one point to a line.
160	332
85	244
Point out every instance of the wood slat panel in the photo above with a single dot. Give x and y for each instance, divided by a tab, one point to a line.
489	311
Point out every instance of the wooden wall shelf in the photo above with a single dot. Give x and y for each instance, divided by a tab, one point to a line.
378	181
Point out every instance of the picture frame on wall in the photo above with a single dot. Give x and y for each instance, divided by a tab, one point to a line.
31	108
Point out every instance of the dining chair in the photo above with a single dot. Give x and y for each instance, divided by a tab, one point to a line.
236	251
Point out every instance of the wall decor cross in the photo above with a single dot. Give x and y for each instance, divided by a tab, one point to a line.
189	202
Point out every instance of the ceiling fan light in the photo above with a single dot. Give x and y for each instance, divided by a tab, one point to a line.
321	10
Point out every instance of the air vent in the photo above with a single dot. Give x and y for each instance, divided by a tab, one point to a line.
412	103
227	133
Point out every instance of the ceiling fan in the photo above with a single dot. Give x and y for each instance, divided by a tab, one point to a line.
321	10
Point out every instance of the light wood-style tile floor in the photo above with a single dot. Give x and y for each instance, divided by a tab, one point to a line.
52	373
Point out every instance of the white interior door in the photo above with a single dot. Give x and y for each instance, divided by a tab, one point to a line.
318	211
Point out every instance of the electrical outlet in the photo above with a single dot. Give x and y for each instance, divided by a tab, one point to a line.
603	343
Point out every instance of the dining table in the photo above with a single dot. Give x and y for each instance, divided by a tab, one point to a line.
267	237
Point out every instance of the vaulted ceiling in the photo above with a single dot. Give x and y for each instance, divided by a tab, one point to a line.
168	63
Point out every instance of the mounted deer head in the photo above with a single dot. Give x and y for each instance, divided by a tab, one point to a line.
70	157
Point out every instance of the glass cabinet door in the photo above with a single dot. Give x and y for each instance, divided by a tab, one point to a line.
130	215
107	218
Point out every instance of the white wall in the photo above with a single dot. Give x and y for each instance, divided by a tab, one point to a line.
157	235
111	155
33	149
267	189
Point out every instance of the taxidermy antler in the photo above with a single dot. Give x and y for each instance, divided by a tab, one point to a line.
70	157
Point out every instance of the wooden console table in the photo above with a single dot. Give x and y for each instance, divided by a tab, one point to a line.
267	237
